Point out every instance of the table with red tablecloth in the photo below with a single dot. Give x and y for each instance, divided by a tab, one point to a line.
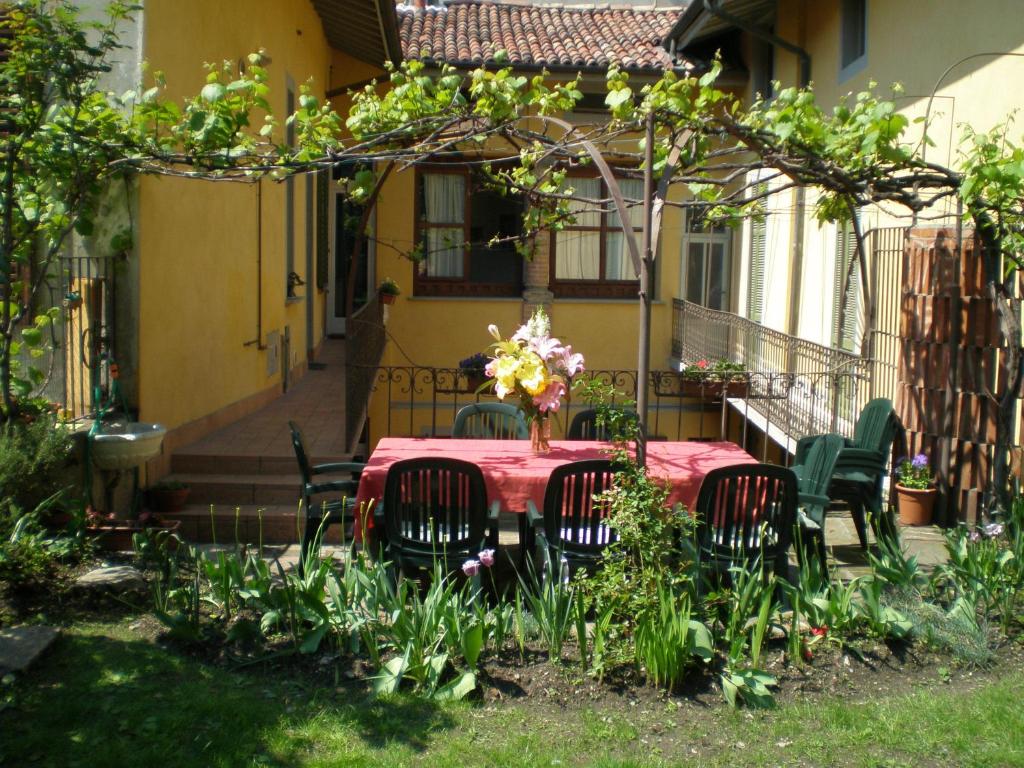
513	473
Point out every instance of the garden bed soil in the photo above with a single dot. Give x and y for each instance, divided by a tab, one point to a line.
864	669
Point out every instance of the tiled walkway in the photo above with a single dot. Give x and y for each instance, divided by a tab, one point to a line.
316	402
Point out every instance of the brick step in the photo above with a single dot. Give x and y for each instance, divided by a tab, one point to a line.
184	462
274	524
232	490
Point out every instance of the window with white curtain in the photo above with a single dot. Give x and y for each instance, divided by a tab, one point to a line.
444	221
590	257
465	230
707	263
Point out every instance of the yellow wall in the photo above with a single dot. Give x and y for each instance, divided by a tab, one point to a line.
198	241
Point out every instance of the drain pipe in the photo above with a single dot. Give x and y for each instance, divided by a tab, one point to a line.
714	7
258	341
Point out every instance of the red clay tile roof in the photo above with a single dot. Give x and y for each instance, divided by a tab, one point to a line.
469	32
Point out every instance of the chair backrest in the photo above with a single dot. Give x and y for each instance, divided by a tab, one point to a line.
573	521
435	503
584	425
500	421
876	426
747	510
820	465
305	469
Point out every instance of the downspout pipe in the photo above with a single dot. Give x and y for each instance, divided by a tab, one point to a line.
714	7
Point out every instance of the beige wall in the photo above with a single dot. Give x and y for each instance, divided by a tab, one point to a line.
913	44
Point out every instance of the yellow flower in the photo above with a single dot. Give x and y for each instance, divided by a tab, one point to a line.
532	374
505	375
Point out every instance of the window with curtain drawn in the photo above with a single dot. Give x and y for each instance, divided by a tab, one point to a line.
590	257
707	264
458	219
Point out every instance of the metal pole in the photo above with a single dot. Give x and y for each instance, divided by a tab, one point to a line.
646	263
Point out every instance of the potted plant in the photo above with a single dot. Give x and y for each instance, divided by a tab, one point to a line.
708	379
167	496
388	290
915	496
472	369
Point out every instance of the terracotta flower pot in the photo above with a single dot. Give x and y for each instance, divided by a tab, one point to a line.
915	505
387	298
118	537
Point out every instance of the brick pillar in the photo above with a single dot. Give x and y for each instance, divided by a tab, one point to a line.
536	274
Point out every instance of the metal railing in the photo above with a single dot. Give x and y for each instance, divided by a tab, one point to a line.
74	359
800	386
421	401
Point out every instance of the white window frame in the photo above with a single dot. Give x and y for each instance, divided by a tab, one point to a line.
715	236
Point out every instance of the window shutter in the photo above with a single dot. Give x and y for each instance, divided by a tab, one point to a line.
755	295
844	330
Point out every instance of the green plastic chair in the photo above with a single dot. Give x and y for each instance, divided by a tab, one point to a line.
819	466
322	513
861	465
435	509
492	421
573	531
584	425
745	514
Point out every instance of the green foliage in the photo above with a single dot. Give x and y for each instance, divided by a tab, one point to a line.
882	619
551	601
668	641
33	457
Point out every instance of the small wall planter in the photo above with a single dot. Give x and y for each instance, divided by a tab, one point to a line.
915	505
712	390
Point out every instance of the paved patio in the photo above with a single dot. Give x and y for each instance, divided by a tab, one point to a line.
926	542
316	402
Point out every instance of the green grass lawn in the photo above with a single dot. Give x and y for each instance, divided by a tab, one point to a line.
107	696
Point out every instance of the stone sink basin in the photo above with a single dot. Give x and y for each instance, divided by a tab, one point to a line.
126	445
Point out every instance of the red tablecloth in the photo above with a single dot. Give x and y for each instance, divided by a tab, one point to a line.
513	473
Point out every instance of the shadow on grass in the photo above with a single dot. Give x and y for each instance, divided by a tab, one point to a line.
99	700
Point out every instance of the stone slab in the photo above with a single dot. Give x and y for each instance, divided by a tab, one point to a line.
116	578
20	646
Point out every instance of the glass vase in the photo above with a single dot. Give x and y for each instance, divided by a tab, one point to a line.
540	434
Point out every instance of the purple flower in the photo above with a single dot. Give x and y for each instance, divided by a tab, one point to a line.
992	530
486	558
974	537
471	567
920	461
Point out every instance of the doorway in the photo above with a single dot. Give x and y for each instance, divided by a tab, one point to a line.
345	220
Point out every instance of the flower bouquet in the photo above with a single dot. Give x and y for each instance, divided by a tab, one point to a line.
536	369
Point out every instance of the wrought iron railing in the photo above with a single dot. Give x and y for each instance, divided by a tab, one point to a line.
827	387
365	338
420	401
75	359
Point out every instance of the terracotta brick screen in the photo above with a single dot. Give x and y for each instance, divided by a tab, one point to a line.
940	398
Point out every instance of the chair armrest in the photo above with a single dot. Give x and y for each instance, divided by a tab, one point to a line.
331	486
533	517
352	467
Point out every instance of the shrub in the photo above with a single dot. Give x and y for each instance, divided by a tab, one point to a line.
33	456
